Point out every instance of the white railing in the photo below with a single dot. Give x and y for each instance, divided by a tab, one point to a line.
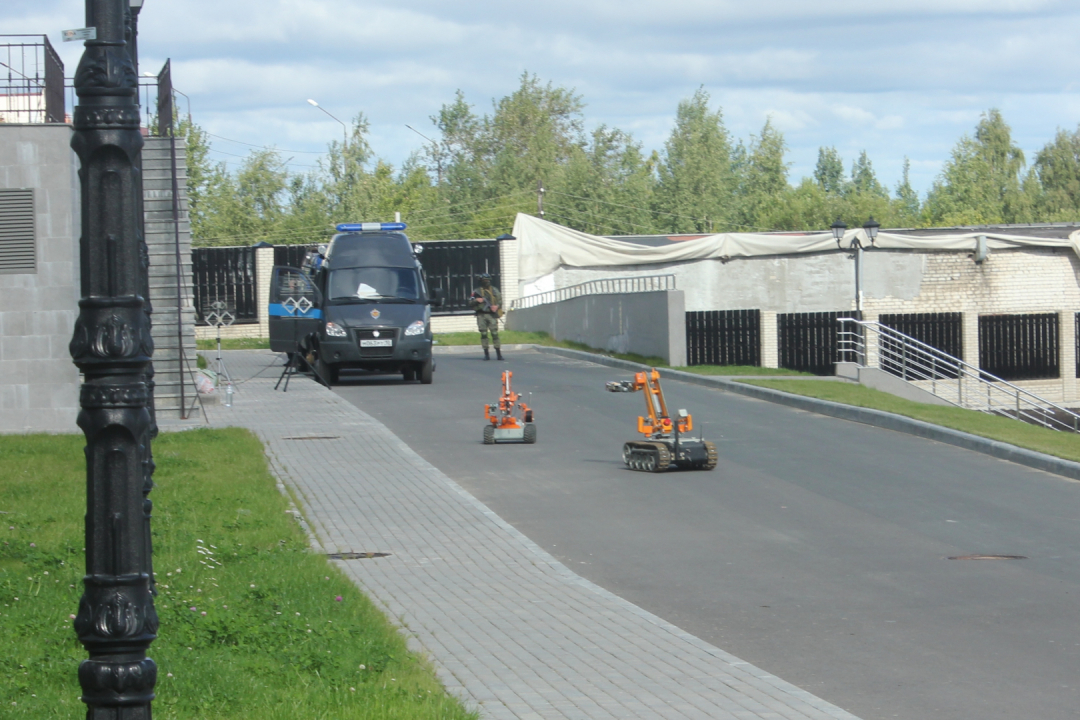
870	344
607	286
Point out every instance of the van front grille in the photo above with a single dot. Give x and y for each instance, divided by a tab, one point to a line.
369	335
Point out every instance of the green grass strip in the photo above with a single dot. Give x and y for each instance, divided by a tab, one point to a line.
254	626
233	344
514	337
1060	444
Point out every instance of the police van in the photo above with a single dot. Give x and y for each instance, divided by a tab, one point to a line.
363	305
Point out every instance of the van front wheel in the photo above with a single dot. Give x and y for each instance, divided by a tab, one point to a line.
427	372
328	372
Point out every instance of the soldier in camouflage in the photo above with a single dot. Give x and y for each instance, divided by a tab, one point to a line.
487	302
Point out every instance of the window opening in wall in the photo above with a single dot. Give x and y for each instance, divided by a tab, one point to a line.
18	246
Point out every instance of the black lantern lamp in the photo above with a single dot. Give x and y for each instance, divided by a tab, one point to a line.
838	229
871	227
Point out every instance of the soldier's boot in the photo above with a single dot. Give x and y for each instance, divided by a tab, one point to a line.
498	353
487	355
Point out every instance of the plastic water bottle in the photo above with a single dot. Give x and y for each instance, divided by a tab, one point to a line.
228	395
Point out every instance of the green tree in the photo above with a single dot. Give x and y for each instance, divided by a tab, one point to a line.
1057	168
980	184
607	187
532	135
829	171
696	184
763	183
863	179
906	208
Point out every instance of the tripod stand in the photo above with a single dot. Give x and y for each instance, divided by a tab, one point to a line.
221	317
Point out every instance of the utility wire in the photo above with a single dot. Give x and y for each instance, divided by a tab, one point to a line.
264	147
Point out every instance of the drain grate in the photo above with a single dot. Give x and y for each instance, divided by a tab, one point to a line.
312	437
988	557
356	555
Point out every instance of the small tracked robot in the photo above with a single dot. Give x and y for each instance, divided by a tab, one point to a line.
665	445
508	419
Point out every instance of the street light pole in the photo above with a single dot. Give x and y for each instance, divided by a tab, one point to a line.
112	346
344	133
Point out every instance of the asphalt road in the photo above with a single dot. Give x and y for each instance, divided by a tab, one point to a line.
817	549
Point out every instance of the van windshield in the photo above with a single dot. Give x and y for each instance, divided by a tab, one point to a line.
374	284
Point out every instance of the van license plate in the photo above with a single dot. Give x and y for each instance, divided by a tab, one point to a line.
388	342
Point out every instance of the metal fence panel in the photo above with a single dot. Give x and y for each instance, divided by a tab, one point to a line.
292	255
943	331
453	267
1019	347
809	341
723	337
226	274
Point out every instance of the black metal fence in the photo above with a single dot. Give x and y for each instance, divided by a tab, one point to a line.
225	274
943	331
1019	347
292	255
453	266
808	341
723	337
31	80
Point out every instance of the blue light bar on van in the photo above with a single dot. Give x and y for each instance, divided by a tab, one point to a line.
371	227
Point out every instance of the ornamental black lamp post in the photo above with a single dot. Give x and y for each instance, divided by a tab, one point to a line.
112	347
839	229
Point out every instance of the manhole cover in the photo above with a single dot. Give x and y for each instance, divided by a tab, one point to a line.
356	555
988	557
312	437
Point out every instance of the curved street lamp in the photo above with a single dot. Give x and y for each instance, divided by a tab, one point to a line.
344	133
870	227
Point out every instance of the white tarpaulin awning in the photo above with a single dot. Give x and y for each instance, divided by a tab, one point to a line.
545	246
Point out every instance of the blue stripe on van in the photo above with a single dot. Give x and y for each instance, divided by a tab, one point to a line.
279	310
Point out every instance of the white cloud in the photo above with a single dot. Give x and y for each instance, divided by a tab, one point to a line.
893	77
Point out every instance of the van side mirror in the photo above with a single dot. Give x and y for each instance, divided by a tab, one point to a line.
438	297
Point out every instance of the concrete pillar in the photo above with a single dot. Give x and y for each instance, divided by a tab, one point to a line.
770	346
676	304
509	270
970	321
264	267
1067	355
872	340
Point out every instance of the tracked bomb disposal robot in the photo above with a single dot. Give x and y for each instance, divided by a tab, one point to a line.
509	419
666	443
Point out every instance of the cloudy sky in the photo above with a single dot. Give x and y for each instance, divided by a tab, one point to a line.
893	77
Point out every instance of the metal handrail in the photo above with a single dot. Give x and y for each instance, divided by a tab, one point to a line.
947	377
605	286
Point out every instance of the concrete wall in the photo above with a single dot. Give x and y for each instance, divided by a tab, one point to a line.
39	385
1026	280
645	323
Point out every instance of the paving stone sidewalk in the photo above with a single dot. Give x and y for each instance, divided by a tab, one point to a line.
510	630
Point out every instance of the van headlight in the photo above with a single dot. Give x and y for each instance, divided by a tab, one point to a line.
416	328
335	330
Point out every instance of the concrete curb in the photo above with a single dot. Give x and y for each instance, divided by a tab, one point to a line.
867	416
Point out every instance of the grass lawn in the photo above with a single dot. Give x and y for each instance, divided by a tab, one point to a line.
1014	432
234	344
253	625
513	337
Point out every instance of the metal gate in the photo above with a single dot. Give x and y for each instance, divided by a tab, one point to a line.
808	341
453	266
225	274
723	337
